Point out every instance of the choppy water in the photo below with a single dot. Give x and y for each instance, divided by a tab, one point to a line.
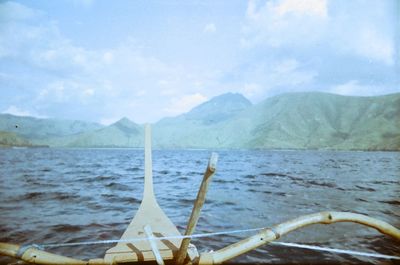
69	195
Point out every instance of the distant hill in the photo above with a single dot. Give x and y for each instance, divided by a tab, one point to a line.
10	139
321	121
218	109
294	121
196	128
41	130
123	133
289	121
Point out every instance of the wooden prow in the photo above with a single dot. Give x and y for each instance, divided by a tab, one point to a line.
149	214
148	193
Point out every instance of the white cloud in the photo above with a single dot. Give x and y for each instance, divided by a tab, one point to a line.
210	28
85	3
78	76
283	22
108	57
286	66
63	91
347	28
162	82
107	121
54	91
274	77
168	92
141	93
88	92
13	11
129	76
38	43
302	7
14	110
289	72
185	103
354	88
374	45
198	83
251	90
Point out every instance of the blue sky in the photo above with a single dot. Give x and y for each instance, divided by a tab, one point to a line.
101	61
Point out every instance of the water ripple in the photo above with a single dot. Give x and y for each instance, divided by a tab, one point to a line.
71	195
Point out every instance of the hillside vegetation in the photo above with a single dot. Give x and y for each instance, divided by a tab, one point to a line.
42	129
9	139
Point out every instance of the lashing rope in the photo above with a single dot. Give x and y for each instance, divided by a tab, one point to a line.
303	246
336	250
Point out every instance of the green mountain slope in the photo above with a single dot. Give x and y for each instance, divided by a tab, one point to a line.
123	133
9	139
319	120
196	129
41	130
218	109
298	121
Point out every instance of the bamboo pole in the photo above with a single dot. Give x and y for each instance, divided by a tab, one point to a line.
275	232
194	217
32	255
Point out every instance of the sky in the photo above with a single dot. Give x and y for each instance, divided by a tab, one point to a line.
103	60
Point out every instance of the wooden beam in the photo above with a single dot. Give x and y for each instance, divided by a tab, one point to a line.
150	238
198	205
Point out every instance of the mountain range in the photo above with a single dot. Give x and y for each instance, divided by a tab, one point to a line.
309	120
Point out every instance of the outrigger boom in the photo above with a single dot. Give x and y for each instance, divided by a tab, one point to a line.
152	237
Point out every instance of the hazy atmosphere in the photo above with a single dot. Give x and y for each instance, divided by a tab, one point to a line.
144	60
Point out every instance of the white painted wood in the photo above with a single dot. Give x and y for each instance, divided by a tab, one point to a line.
150	238
149	213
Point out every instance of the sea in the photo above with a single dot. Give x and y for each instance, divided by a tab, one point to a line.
77	195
